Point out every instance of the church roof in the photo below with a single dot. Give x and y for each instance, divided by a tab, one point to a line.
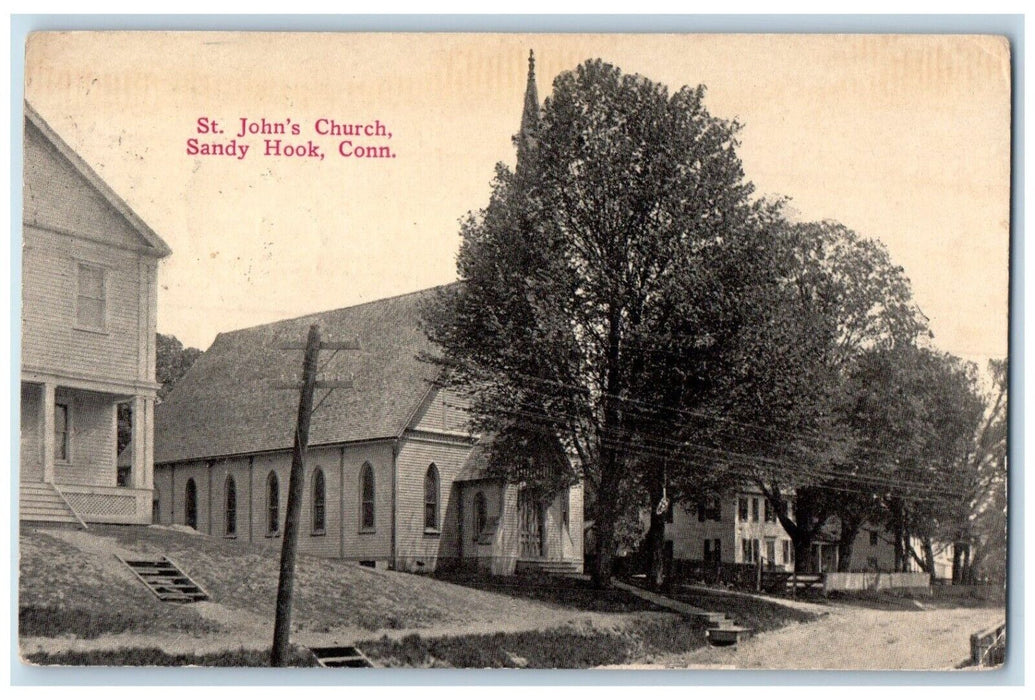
227	403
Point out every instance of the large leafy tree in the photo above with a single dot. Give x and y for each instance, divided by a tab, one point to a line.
837	295
915	412
601	287
978	527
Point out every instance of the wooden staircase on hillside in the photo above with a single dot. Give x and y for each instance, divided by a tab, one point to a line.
43	503
166	580
341	657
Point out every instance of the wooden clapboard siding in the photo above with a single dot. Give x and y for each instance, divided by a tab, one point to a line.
444	411
56	195
175	497
31	460
417	452
92	439
163	490
50	338
342	533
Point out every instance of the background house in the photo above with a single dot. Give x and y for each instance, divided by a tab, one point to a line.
394	476
741	527
89	302
738	527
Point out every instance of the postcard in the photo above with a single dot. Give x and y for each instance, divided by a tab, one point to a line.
402	350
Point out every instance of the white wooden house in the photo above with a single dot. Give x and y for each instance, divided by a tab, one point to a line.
741	527
89	266
394	477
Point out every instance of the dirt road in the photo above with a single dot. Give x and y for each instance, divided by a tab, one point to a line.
856	638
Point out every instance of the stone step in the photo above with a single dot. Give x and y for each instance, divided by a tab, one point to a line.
727	635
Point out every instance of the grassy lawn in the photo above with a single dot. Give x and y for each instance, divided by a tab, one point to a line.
573	593
71	584
64	592
156	657
562	647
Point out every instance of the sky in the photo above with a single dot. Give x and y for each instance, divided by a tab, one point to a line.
905	139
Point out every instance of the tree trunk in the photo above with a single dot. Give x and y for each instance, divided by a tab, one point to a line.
844	555
605	552
967	573
957	548
802	553
849	531
929	556
656	540
898	532
606	517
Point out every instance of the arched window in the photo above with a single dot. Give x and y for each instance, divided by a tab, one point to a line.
272	504
431	498
230	507
190	505
366	490
319	502
481	514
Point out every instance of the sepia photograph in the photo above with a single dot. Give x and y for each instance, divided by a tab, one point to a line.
514	351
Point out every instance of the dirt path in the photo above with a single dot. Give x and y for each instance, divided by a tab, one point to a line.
852	638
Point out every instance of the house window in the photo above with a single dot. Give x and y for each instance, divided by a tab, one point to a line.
751	549
156	510
366	488
431	498
709	509
230	507
272	504
91	302
770	512
742	509
319	502
481	514
786	551
190	505
873	538
754	510
62	434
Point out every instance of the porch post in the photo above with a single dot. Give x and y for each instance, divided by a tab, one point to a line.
142	476
47	425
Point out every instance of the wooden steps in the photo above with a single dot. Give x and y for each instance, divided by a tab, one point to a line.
43	503
341	657
166	580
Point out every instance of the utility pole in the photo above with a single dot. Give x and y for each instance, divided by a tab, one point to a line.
286	585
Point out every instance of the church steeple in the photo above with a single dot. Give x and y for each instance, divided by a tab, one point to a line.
525	139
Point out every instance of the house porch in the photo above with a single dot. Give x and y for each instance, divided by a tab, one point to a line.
69	455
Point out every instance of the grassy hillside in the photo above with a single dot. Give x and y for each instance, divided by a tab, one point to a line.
71	583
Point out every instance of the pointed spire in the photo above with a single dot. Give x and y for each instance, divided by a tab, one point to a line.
525	139
530	115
